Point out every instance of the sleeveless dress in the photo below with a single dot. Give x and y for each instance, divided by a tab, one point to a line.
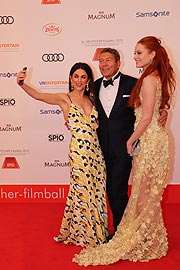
85	220
141	234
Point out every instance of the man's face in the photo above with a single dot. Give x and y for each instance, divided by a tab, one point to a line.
108	65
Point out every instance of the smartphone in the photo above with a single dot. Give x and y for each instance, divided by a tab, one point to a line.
22	81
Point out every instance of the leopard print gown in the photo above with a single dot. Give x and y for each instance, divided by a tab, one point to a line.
85	217
141	234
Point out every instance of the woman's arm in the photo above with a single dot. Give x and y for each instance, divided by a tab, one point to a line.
149	87
50	98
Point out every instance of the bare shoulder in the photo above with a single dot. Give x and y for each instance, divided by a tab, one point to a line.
150	80
64	101
63	97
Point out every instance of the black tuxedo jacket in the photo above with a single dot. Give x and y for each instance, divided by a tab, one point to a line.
113	132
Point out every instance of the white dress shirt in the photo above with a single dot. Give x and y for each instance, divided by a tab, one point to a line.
108	95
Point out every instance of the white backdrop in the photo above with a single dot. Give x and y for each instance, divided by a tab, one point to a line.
33	138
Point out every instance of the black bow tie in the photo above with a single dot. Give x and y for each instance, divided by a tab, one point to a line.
107	82
111	81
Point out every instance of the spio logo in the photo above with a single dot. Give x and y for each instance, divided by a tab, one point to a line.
56	137
50	2
53	57
7	101
10	163
6	20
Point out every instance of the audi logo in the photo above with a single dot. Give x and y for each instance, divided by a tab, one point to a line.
53	57
6	19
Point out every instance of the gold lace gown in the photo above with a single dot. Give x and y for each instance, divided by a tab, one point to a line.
85	216
141	235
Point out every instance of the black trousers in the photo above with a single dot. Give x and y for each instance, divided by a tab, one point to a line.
118	172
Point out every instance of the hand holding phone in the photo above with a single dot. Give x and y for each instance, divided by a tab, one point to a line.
22	81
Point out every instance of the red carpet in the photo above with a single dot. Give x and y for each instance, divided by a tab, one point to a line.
27	231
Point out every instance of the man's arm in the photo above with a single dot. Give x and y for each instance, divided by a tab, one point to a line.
163	117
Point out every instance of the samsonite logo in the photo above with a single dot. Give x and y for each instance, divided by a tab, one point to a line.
151	14
48	112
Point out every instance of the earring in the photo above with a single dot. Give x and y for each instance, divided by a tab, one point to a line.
87	87
72	87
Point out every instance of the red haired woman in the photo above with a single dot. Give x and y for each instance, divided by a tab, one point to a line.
141	234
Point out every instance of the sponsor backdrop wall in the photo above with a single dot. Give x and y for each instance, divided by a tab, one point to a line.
49	36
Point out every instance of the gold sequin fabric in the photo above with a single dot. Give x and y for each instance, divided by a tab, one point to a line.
141	234
85	217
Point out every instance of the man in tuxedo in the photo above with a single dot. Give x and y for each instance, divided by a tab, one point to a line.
116	124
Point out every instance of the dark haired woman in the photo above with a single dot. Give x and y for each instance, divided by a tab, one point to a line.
85	216
141	234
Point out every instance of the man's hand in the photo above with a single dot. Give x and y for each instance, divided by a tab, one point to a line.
163	117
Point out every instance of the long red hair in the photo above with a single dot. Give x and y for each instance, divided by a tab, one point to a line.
160	65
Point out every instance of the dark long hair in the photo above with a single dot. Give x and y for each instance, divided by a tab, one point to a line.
160	65
90	75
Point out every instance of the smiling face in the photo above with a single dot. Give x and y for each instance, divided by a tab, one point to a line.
142	56
108	65
79	79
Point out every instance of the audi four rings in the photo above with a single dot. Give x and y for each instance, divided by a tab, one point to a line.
53	57
6	19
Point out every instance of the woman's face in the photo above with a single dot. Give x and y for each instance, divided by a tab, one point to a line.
142	56
79	79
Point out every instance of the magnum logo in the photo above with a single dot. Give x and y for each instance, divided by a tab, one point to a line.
10	163
50	2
